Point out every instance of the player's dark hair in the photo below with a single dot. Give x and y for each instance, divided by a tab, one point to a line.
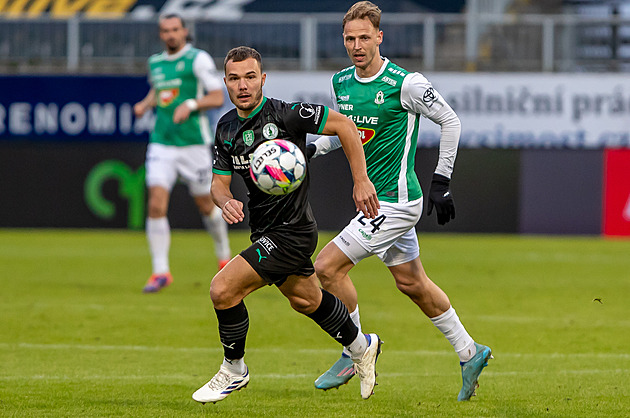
363	10
241	53
181	19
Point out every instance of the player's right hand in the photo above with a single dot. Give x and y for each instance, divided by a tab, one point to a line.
233	211
365	198
139	109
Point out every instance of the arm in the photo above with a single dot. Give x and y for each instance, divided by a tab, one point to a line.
364	193
149	102
223	198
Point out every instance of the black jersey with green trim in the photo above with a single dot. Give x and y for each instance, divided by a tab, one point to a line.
235	142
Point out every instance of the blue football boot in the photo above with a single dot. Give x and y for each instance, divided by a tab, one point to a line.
471	371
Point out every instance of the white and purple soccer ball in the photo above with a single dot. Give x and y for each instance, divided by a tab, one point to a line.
278	167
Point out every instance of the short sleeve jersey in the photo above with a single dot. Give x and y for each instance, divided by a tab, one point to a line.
175	79
235	142
388	126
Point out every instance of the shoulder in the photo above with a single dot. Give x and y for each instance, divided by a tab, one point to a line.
193	52
155	58
343	75
396	72
226	119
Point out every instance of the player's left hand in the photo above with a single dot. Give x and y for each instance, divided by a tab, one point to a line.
441	197
365	199
182	113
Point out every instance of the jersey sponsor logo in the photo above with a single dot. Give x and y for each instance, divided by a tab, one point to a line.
380	98
364	120
365	235
343	98
166	96
267	244
241	162
270	131
306	110
248	137
429	97
366	135
345	106
389	81
345	77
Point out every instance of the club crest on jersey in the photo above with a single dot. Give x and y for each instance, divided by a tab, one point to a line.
380	98
270	131
248	137
180	66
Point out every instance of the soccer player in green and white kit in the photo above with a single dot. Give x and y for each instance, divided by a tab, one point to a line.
386	103
180	141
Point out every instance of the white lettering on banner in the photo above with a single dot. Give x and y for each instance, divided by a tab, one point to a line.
46	117
124	118
3	115
102	118
72	118
145	123
199	9
20	118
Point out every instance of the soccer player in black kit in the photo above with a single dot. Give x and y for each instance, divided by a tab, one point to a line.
283	229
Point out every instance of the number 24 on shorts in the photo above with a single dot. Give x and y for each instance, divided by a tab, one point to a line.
376	222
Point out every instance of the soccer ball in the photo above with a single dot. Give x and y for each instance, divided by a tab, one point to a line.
277	167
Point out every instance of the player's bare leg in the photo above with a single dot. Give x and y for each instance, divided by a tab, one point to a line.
159	238
216	227
412	280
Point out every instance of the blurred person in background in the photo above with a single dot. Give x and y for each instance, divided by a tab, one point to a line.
387	102
184	85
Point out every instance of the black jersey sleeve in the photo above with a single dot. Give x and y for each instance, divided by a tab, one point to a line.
306	118
222	160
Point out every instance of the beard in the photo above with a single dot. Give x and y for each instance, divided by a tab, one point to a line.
255	102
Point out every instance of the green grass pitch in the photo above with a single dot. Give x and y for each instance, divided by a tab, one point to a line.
78	338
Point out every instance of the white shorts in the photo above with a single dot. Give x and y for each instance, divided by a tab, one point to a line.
391	235
192	163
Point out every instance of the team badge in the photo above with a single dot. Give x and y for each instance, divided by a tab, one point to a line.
380	98
180	66
270	131
248	137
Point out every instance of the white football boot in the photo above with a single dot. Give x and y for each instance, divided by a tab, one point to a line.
365	366
221	385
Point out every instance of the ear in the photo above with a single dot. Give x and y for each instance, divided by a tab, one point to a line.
263	78
379	38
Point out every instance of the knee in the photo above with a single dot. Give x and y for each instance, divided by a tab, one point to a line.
302	305
156	209
410	287
325	272
221	295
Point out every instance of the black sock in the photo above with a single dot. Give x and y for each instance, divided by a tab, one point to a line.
233	326
333	317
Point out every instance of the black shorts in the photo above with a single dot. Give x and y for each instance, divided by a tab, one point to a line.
277	255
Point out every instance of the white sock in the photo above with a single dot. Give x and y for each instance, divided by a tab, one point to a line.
357	347
357	321
236	366
453	329
218	230
159	238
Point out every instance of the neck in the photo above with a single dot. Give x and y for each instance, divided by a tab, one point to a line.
173	52
245	113
371	69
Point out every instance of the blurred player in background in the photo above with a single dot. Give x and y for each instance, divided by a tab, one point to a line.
184	84
387	102
283	229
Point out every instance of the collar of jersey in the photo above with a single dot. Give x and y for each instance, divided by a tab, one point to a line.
375	76
178	54
255	111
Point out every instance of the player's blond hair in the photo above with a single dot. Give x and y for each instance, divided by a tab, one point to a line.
363	10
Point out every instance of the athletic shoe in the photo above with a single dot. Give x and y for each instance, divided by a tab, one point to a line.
157	282
221	385
339	374
365	366
471	371
223	263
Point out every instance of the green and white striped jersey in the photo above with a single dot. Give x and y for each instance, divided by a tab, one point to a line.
176	78
387	109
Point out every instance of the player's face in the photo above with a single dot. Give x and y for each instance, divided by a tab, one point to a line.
173	34
362	42
244	81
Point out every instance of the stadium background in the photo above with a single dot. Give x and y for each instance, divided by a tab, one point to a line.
540	87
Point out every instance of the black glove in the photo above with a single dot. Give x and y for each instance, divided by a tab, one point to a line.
442	198
310	151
